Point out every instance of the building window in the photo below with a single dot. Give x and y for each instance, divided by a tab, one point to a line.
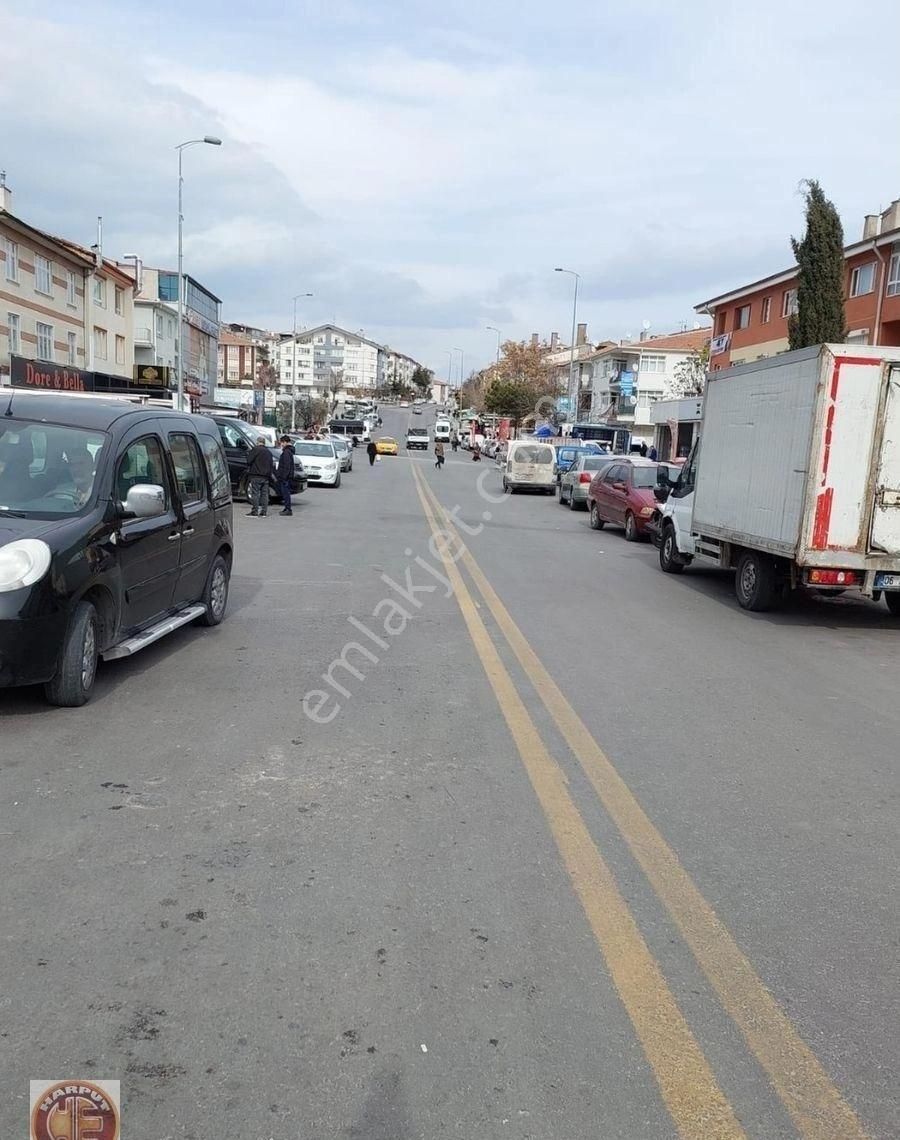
159	326
43	276
168	286
653	364
789	302
44	341
742	317
73	348
170	328
893	282
12	260
120	350
766	310
100	292
120	300
13	320
100	348
862	280
70	288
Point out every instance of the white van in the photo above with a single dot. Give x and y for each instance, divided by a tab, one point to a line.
529	463
442	431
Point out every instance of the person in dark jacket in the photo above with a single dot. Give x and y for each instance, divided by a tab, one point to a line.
260	466
284	473
372	452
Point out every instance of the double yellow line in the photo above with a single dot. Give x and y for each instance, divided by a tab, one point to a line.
696	1103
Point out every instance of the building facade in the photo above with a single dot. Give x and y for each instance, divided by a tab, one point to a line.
751	322
156	305
629	378
329	358
240	359
61	303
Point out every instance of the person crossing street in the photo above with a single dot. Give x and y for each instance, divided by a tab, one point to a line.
439	454
372	452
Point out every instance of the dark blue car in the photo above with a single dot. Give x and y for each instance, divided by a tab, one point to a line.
566	454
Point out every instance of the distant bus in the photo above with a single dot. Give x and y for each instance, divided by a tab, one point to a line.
614	439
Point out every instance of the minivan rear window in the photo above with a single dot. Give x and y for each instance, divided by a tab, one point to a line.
532	453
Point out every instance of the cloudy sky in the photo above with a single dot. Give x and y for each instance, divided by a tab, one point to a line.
422	166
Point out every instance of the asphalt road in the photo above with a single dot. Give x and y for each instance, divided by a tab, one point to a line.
575	850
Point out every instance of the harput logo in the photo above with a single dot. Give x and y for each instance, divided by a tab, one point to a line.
74	1110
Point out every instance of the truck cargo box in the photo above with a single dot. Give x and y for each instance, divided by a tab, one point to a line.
800	456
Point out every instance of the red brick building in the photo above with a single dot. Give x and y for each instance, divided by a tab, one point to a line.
752	322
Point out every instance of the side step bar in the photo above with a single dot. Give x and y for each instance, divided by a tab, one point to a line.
132	645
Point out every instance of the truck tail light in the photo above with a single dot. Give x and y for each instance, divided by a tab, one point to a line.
585	477
833	578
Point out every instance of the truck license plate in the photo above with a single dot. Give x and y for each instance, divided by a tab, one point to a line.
887	581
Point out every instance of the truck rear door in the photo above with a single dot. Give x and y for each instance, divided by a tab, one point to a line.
885	538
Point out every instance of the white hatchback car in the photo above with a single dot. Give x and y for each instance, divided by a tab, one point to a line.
320	460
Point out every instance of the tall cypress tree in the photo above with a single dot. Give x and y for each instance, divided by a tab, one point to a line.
820	285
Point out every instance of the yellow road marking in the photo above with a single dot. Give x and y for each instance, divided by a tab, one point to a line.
691	1093
814	1104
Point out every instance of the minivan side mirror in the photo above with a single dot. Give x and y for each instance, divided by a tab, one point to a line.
144	501
661	492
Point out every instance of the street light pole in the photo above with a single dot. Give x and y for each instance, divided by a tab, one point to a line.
294	363
179	331
573	391
491	328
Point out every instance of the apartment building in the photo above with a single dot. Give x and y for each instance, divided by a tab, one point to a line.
241	355
752	321
60	303
315	359
628	378
397	368
156	308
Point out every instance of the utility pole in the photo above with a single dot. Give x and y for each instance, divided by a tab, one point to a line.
294	363
573	388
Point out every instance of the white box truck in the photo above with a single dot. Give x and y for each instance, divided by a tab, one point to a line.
795	479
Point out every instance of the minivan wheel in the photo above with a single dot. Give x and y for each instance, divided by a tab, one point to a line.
669	558
77	669
596	522
215	595
755	582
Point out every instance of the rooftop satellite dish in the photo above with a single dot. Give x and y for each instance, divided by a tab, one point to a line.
645	325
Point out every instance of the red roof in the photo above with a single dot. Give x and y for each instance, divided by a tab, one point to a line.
674	342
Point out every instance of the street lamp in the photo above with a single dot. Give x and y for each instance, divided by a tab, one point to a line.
462	362
212	141
573	393
491	328
294	363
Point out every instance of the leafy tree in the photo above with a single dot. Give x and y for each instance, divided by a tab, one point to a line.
689	376
820	282
422	378
513	398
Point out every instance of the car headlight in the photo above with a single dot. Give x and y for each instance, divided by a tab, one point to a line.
22	563
646	512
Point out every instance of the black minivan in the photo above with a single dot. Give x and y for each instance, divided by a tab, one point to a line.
115	529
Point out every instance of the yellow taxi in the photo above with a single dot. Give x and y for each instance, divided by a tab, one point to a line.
386	446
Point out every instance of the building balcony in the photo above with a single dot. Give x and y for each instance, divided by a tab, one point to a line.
143	338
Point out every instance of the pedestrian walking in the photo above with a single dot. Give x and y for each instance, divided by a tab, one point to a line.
653	454
439	454
260	466
454	441
644	450
284	474
372	452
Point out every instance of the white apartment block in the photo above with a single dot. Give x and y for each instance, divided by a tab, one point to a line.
627	379
316	359
398	367
60	303
155	324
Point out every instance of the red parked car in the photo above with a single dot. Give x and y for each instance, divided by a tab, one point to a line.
623	494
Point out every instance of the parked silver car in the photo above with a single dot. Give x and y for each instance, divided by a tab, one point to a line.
575	480
344	448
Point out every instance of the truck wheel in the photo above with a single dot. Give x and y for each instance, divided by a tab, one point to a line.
596	522
669	558
74	680
755	582
631	531
892	601
215	593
